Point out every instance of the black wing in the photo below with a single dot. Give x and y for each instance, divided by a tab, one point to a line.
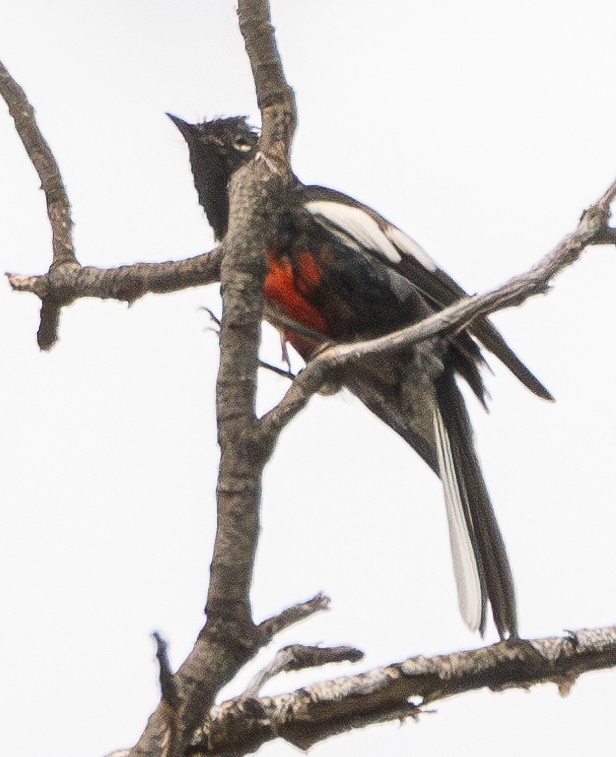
361	227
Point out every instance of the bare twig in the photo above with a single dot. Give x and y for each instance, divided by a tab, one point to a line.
285	373
58	206
592	229
316	712
300	657
214	318
292	615
168	686
606	200
277	370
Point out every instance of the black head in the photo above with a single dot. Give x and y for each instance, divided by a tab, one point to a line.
217	148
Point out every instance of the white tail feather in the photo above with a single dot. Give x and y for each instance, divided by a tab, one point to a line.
464	563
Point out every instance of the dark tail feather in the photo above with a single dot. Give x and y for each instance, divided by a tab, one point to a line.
487	334
446	443
465	490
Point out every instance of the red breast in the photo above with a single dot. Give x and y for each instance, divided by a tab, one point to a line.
291	287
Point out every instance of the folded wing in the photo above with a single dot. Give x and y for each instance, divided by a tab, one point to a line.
360	226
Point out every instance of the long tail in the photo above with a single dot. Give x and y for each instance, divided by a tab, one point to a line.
437	426
480	560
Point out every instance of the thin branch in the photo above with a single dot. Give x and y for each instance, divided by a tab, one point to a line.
58	206
277	370
274	95
314	713
607	199
592	229
292	615
300	657
170	696
284	372
168	688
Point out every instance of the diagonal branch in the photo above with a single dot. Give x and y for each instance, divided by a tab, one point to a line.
58	206
275	97
593	228
314	713
295	614
299	657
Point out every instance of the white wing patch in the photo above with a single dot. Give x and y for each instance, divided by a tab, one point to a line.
409	246
356	227
464	564
354	223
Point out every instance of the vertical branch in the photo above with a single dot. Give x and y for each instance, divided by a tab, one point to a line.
230	637
239	480
253	219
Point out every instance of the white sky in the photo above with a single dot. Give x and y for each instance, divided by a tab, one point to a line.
483	129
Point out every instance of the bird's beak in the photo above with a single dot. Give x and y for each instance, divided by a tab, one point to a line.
185	128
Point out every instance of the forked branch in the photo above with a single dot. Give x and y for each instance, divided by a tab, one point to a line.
314	713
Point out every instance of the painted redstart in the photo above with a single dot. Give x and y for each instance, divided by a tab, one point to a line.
339	272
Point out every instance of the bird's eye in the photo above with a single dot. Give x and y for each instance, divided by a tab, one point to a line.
242	144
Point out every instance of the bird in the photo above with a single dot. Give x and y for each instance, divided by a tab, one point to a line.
339	272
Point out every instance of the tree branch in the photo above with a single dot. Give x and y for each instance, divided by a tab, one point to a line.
58	206
299	657
168	688
275	97
314	713
230	637
593	228
66	280
126	283
254	207
292	615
